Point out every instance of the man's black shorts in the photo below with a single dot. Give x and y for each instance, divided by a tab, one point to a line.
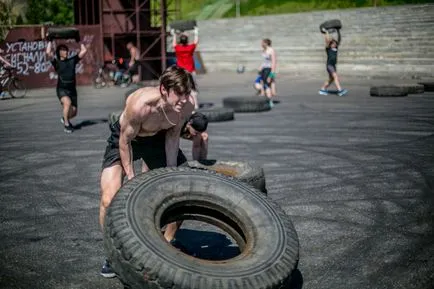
134	69
331	69
151	149
70	92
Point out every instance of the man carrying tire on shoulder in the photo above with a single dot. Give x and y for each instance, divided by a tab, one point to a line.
332	59
66	82
148	128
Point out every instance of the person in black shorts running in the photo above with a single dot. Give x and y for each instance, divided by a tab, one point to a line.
332	59
66	83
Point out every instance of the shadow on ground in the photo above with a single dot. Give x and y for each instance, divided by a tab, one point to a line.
217	246
89	122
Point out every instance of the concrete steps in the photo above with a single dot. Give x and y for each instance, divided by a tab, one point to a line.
396	40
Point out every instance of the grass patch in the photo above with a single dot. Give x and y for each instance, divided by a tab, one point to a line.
213	9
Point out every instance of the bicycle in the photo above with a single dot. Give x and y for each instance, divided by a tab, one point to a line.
11	83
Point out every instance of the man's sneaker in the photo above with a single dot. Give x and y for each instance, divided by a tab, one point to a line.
68	128
342	92
107	270
323	92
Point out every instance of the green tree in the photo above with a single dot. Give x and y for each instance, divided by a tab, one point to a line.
59	12
11	13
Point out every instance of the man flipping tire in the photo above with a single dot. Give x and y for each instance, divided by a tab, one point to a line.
148	128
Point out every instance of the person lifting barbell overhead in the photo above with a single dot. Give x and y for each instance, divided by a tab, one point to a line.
66	81
332	59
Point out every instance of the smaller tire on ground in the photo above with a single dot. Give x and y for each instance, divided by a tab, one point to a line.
413	88
388	91
245	172
247	103
428	86
217	114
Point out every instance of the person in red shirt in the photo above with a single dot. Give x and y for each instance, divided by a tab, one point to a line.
184	52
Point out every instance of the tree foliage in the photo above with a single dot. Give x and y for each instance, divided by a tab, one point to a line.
59	12
11	13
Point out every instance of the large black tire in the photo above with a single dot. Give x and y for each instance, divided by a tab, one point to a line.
413	88
183	25
16	88
247	104
244	172
218	114
428	86
388	91
331	24
63	33
143	259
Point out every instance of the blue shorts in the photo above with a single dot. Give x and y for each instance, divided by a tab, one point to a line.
258	80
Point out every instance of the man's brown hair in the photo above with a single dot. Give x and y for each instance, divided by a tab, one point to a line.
177	79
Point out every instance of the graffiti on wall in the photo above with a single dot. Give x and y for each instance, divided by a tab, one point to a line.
27	57
27	54
30	58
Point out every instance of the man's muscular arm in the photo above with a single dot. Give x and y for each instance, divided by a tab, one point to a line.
130	126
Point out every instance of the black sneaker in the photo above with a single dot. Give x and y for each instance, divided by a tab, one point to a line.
68	128
107	271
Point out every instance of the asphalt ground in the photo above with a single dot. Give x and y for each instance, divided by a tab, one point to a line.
355	174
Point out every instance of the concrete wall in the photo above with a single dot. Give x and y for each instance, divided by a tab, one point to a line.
377	42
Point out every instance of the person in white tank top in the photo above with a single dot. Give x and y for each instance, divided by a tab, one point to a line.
265	83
